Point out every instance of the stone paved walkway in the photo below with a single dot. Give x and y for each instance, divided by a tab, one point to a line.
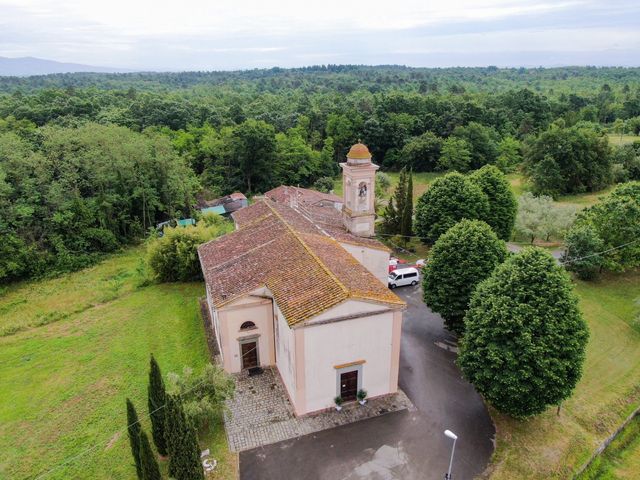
260	413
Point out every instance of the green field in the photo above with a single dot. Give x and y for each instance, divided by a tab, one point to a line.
63	382
550	446
621	459
617	139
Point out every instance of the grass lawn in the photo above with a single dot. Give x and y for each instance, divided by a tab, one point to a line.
550	446
63	383
621	459
617	140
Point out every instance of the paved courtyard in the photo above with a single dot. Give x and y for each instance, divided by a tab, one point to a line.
261	414
403	445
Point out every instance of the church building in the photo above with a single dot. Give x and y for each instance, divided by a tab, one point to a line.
300	285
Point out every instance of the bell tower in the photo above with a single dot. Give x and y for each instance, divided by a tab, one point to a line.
358	187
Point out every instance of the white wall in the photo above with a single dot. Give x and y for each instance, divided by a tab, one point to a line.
337	343
374	260
285	353
347	308
232	316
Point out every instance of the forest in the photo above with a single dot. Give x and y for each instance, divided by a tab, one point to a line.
91	162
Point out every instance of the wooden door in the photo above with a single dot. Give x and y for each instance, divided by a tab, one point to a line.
349	385
249	352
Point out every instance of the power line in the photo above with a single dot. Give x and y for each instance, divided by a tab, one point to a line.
71	459
601	253
561	263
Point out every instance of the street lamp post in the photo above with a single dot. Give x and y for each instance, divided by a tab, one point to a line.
454	437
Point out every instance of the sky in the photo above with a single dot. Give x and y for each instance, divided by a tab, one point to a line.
238	34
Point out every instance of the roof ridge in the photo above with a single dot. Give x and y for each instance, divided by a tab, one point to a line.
311	252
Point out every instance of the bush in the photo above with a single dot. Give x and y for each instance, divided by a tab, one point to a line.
202	395
525	338
449	199
174	256
616	220
460	259
324	184
581	246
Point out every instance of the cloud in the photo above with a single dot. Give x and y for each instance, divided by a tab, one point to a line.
226	34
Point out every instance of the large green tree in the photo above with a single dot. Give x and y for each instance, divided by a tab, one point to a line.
482	141
420	154
503	205
525	338
448	200
455	155
460	259
568	160
157	399
253	151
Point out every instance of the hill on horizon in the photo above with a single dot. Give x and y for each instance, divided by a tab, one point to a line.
27	66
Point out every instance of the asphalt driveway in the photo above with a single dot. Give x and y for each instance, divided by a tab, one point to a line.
401	445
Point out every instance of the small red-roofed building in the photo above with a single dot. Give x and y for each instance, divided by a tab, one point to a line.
301	285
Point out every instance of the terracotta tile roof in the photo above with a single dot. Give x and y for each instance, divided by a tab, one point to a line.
306	270
325	216
287	194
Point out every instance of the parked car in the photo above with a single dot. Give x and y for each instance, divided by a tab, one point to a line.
402	277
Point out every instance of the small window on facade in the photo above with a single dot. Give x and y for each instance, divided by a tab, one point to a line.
247	326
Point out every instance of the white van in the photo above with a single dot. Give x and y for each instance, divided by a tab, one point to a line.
403	276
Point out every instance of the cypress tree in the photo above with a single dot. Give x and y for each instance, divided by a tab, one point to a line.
181	438
390	222
400	196
407	212
394	212
133	428
157	400
148	462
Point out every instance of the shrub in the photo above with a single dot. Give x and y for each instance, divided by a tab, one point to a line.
202	395
616	220
174	256
581	247
324	184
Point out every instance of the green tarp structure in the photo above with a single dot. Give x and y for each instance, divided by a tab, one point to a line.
218	209
186	221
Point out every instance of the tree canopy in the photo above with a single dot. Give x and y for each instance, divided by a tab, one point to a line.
447	201
568	160
503	206
615	221
460	259
525	338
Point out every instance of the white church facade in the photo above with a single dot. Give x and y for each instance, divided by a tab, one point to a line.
301	285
